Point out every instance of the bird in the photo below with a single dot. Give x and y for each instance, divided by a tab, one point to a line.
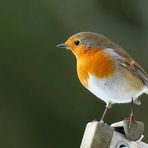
107	70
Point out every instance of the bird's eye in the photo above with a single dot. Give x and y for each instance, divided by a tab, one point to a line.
77	42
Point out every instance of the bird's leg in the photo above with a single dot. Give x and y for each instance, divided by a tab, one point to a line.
108	106
131	118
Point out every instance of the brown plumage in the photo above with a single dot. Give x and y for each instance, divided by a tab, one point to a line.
106	70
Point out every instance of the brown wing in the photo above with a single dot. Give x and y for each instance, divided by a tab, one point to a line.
130	64
125	59
137	70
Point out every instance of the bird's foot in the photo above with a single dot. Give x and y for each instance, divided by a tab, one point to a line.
101	121
131	120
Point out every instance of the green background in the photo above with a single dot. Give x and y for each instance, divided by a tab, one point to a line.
42	103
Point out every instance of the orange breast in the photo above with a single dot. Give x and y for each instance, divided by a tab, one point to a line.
97	63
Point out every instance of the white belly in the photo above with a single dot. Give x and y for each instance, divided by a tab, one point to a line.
116	89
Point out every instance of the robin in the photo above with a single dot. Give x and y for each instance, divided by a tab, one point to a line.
106	70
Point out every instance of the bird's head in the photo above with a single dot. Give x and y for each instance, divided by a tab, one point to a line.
85	43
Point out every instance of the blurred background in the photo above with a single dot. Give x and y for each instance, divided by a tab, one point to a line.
42	103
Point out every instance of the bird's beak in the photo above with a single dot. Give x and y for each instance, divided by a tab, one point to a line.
63	45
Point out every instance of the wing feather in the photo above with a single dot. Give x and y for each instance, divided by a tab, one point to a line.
136	69
128	62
